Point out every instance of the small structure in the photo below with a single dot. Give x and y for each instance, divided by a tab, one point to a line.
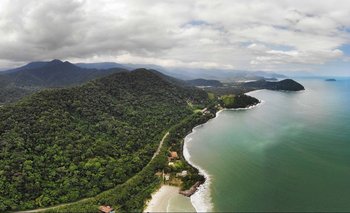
167	177
184	173
106	209
171	164
173	156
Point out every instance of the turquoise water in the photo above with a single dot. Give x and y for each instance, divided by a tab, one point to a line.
291	153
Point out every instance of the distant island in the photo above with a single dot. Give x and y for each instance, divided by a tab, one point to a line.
330	79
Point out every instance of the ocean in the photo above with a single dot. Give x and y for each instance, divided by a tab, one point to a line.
289	153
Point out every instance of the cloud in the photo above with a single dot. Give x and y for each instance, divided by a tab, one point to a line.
240	34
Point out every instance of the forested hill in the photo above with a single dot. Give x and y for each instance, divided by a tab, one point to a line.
61	145
54	73
286	84
35	76
204	82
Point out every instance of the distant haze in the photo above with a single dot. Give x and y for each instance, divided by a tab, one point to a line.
272	35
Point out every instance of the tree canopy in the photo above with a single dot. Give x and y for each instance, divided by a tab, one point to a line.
60	145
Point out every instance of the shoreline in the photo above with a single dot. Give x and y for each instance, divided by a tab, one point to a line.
168	199
199	195
160	198
201	198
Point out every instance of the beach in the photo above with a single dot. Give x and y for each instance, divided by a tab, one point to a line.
168	199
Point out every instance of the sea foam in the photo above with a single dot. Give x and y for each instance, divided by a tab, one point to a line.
201	199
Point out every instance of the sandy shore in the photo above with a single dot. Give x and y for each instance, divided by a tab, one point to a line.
160	199
166	199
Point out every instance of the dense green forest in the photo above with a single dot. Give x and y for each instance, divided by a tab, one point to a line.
286	84
11	94
60	145
205	83
131	195
237	101
237	88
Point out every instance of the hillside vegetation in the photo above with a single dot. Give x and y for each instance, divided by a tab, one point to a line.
25	80
132	195
205	83
286	85
60	145
238	101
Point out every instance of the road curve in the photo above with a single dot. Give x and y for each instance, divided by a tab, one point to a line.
64	204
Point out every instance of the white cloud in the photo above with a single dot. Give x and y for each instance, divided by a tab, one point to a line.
240	34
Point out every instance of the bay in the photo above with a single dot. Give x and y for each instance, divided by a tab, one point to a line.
291	153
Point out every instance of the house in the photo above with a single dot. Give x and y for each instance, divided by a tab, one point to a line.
173	156
184	173
106	209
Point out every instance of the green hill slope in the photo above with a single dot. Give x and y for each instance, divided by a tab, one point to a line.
61	145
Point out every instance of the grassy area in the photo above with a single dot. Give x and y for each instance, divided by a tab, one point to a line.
228	99
211	96
197	110
195	107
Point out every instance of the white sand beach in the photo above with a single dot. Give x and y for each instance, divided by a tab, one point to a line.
168	199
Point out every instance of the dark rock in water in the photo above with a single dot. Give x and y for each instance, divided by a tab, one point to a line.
330	79
287	85
191	191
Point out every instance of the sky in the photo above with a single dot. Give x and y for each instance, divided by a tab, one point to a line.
270	35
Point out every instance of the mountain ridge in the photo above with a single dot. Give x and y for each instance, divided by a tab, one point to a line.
54	73
19	82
